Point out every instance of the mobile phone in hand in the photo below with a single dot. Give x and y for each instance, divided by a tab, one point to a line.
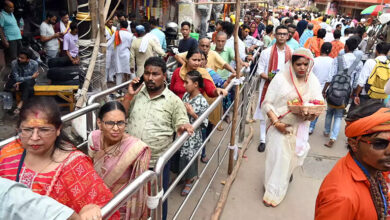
137	85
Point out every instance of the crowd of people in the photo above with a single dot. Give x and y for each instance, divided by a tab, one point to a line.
305	57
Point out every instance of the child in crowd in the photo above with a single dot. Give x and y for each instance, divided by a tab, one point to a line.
196	105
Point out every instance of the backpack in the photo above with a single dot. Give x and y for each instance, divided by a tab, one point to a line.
340	87
378	79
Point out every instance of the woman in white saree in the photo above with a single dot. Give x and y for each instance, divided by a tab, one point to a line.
288	133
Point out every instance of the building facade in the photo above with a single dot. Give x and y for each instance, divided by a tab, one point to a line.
350	8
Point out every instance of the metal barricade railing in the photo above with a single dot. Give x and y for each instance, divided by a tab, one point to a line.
217	150
163	159
64	118
156	176
124	195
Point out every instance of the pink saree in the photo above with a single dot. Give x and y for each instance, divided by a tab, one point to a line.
119	169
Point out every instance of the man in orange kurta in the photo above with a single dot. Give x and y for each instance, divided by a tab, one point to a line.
314	44
345	191
337	45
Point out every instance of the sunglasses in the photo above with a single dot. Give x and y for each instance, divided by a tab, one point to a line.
377	143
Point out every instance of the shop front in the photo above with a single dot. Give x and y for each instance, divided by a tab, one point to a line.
351	8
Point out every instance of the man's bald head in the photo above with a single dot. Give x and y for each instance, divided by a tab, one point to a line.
204	45
220	40
9	6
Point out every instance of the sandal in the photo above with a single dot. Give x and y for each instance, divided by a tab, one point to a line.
17	111
330	143
227	119
326	134
187	188
204	159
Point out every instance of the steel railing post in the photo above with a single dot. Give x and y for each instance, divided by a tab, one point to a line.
156	187
243	111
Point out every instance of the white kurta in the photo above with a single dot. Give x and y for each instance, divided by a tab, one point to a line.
263	68
282	153
118	58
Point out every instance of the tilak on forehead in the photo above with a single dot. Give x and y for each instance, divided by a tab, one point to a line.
36	120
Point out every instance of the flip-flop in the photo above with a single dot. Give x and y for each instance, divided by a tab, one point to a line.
330	143
204	159
17	111
185	191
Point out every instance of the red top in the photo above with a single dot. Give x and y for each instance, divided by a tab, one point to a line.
73	183
177	85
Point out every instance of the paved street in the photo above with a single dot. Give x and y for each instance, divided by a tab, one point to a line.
245	198
299	202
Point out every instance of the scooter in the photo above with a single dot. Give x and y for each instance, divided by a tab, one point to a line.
171	31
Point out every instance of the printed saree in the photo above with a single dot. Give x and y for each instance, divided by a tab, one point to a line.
73	183
119	169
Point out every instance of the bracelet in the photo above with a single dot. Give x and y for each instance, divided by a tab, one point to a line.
128	97
275	122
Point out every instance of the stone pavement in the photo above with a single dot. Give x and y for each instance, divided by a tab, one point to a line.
245	197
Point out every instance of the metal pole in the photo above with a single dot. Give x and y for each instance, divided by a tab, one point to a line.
212	3
267	13
156	187
241	133
123	196
237	97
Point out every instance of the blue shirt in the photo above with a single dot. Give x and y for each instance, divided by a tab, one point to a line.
19	202
218	81
187	44
10	26
306	35
161	37
23	72
292	43
301	26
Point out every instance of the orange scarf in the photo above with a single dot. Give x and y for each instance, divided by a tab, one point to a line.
118	37
205	74
379	121
273	65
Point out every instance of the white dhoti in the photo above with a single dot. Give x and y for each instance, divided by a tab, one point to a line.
259	115
118	57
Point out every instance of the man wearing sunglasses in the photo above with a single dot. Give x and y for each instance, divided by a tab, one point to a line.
355	188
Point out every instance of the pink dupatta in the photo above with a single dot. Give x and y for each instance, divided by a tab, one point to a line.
119	170
256	34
